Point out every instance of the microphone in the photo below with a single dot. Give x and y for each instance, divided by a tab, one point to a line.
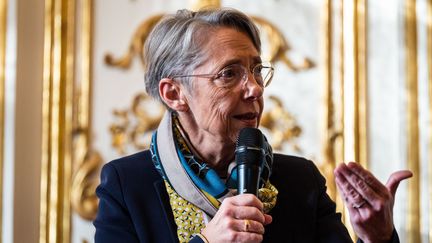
249	156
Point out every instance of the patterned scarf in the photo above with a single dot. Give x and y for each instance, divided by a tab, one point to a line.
192	204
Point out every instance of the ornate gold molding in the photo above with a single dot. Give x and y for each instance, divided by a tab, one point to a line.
355	81
429	60
281	125
278	46
83	198
135	125
3	21
277	51
360	66
334	114
413	153
354	84
136	46
198	4
87	161
330	129
59	47
66	116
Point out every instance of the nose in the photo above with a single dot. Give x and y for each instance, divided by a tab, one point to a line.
252	89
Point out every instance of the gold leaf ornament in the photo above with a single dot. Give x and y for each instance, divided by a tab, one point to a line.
83	198
281	125
136	46
135	125
278	46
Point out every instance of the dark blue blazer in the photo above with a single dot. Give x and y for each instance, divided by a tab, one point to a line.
134	205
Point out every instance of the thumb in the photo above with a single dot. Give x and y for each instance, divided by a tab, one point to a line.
396	178
267	219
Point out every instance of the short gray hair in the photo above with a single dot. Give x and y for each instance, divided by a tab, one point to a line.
175	45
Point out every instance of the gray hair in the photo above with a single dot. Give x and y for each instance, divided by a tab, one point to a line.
176	44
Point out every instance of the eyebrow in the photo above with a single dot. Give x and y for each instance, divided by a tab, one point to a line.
227	63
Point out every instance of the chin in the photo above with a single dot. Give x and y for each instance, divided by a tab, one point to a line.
250	123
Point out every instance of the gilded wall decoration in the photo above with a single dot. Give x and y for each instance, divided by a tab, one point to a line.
3	25
136	45
277	45
281	125
198	4
134	126
84	183
135	123
413	223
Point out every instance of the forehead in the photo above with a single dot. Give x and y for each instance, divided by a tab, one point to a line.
227	45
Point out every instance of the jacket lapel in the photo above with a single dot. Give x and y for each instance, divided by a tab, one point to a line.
164	201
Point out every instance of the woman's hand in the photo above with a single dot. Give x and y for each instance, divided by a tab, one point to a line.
369	202
239	219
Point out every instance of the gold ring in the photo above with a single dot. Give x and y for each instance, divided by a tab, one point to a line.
359	205
247	225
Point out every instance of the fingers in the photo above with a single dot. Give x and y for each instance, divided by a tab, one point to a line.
355	189
251	226
349	194
245	237
357	183
236	233
244	212
370	179
371	202
395	178
246	200
244	207
239	219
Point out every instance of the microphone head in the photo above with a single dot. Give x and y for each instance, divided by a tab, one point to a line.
249	147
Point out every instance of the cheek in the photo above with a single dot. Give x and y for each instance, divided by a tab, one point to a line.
219	108
261	105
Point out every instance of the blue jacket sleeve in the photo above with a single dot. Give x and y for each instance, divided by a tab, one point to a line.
394	238
329	225
113	222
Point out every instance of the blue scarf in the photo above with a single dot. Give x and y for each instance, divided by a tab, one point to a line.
206	180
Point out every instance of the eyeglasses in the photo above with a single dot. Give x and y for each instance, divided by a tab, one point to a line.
230	76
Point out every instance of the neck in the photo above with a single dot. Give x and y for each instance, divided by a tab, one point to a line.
207	147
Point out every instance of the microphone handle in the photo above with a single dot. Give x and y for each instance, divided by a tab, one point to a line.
248	178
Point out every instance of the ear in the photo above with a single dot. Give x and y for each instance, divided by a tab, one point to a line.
173	95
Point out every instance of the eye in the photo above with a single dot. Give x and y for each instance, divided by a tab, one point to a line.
258	72
228	73
229	76
258	69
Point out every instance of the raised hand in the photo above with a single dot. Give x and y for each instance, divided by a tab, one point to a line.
239	219
370	203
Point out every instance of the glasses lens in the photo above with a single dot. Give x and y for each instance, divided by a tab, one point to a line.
263	73
230	76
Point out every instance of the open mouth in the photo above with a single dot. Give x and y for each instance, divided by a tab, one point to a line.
249	116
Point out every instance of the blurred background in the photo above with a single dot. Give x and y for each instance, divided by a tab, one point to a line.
353	82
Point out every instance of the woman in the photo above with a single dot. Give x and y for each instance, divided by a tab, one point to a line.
205	67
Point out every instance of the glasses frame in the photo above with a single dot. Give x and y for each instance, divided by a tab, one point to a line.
266	80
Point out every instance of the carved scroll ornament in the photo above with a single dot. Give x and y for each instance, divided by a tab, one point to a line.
278	45
133	128
84	183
